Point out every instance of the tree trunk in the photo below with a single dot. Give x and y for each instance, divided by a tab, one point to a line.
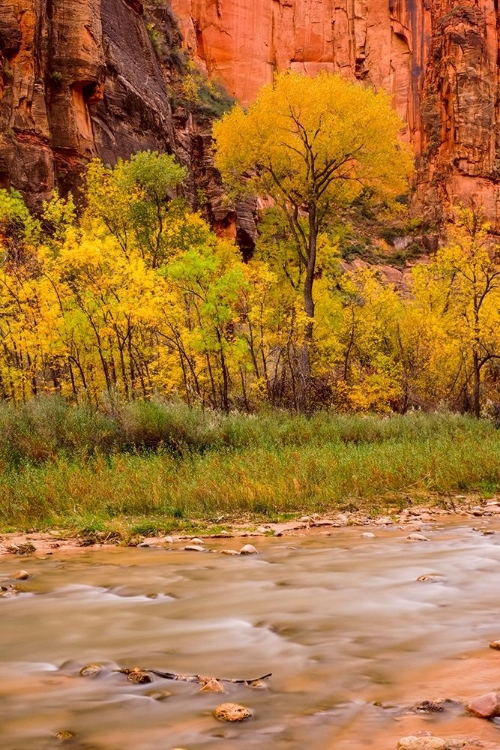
476	388
304	359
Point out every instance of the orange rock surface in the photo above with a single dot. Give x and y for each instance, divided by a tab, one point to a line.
438	58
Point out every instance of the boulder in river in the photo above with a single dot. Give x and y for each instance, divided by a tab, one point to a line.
194	548
485	706
232	712
495	645
422	743
417	538
368	535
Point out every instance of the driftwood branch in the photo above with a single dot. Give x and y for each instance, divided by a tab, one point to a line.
139	675
203	678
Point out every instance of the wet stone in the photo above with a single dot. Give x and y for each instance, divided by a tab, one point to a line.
194	548
485	706
368	535
229	552
428	707
495	645
417	538
21	575
248	549
232	712
65	736
90	670
431	578
138	676
212	686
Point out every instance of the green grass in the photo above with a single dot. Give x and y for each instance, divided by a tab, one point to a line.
149	467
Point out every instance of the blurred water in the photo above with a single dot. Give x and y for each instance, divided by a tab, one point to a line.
334	619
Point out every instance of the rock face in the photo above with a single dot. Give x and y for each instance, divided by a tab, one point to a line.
81	78
439	58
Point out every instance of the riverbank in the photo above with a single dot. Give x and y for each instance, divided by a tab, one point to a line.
415	521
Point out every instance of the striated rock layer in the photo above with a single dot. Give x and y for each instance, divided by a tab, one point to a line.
438	58
80	78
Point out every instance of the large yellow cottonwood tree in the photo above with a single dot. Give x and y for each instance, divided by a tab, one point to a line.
313	145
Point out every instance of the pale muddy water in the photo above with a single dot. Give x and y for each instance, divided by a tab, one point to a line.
339	620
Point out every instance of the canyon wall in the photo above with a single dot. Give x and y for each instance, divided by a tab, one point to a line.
438	58
80	78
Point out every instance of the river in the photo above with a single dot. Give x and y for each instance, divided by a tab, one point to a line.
340	621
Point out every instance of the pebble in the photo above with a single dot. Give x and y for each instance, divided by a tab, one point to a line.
485	706
194	548
422	743
248	549
368	535
495	645
21	575
232	712
417	538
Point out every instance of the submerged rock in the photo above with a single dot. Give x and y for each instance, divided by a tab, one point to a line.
422	743
431	578
368	535
417	538
194	548
229	552
91	670
232	712
159	695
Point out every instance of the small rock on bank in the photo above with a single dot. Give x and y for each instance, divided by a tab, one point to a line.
422	743
485	706
232	712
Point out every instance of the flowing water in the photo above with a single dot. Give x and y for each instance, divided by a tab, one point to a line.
339	620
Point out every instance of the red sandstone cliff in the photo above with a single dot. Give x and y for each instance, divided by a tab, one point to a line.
438	58
80	78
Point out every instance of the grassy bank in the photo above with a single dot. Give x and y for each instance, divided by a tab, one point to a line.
148	467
